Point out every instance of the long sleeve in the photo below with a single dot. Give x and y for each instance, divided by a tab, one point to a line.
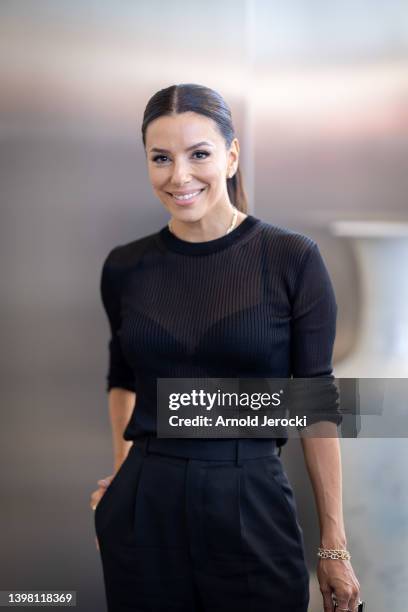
313	331
119	372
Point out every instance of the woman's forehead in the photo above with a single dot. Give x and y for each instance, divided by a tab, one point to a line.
181	130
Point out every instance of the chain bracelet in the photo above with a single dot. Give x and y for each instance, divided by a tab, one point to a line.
334	553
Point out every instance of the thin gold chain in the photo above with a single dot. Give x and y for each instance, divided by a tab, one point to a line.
231	227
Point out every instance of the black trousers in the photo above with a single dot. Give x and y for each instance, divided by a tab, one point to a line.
202	526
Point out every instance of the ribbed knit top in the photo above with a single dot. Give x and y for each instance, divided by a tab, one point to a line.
257	302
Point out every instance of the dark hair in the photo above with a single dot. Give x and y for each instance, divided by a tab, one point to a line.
205	101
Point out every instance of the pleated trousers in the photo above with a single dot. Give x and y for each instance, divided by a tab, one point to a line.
202	526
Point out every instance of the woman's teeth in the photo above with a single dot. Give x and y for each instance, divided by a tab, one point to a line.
187	196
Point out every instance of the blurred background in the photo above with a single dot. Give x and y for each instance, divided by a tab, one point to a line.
319	96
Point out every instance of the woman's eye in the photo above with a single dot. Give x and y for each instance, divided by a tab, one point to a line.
200	153
161	159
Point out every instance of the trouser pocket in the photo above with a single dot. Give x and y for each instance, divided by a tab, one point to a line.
283	486
114	512
159	513
268	511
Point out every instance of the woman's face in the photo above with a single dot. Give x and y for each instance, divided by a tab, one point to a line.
187	157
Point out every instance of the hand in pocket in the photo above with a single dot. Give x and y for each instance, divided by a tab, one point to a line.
97	495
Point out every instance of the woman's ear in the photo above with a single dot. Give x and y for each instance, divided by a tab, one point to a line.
233	158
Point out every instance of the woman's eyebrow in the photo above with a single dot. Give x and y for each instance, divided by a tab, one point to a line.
198	144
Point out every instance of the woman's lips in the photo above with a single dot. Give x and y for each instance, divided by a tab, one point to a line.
188	198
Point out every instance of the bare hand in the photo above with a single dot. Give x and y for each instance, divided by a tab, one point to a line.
337	577
97	495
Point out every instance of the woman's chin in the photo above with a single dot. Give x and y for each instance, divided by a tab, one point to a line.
188	218
189	213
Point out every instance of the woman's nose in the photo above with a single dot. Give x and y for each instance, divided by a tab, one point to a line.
181	173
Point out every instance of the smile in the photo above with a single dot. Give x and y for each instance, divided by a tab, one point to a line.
187	196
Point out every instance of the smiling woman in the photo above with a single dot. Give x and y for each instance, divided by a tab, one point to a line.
204	525
193	161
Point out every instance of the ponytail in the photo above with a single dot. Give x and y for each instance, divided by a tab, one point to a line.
236	191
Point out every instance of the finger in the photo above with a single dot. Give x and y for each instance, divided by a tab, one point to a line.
95	497
328	605
97	543
353	603
104	482
342	605
348	600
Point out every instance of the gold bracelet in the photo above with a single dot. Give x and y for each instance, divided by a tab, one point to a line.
334	553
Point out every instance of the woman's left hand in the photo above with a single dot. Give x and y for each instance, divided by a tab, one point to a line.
336	577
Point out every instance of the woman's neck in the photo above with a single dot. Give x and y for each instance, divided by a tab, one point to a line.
209	227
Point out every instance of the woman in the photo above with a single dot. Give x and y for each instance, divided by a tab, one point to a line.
210	524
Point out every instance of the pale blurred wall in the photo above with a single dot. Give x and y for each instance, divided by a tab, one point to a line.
320	99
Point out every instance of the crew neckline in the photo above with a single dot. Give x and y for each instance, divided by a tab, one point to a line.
173	243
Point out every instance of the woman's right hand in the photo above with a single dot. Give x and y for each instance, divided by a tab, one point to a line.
97	495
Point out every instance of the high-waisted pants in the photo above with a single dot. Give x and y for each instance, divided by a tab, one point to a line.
202	526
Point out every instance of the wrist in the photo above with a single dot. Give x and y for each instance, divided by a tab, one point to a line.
338	541
336	553
119	458
118	462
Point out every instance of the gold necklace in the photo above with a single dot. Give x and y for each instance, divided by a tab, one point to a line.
231	227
